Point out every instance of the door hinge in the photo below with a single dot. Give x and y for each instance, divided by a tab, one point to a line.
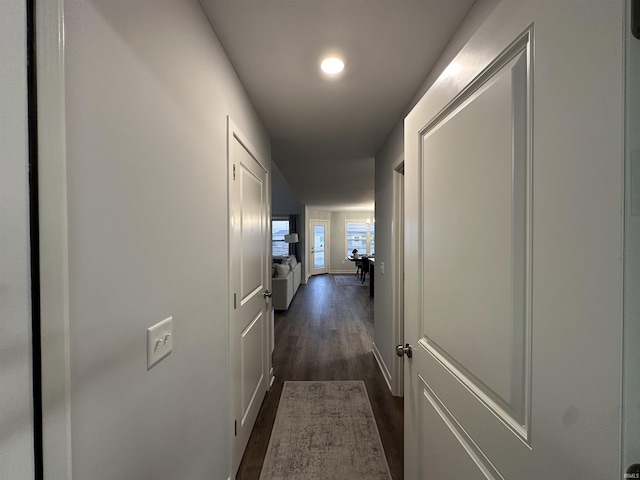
235	306
235	428
635	18
234	171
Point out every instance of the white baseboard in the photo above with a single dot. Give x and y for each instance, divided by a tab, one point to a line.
383	367
342	272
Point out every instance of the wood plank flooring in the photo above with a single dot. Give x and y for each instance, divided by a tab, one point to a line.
327	335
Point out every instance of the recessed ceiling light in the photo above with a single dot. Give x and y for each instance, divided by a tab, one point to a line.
332	65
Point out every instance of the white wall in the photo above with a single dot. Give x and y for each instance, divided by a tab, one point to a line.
387	159
283	200
16	406
318	214
149	88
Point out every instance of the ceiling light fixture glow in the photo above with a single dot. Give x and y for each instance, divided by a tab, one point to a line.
332	65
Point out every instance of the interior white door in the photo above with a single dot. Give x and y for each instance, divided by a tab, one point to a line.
319	233
249	215
514	234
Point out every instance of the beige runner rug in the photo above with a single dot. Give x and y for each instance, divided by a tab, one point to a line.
325	430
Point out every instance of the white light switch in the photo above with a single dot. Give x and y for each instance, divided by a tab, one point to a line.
382	268
159	341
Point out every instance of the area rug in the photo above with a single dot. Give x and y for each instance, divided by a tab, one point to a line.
342	280
325	430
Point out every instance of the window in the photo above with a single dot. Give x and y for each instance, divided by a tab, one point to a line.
279	228
360	235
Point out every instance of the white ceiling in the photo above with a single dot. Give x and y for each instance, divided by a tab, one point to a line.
325	131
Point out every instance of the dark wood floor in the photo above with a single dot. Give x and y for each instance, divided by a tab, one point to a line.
327	335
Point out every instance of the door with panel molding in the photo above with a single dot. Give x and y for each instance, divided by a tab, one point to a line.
514	170
249	218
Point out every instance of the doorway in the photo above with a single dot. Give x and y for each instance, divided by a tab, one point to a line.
318	233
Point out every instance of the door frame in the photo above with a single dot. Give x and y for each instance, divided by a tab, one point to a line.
327	247
234	132
54	248
631	322
397	267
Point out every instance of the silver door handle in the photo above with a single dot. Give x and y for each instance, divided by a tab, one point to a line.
406	350
267	294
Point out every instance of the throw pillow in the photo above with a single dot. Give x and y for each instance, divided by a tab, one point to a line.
282	270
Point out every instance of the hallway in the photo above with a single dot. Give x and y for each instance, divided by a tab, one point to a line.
327	335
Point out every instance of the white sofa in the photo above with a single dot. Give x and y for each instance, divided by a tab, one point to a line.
285	281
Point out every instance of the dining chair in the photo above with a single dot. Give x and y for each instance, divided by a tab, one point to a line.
365	268
358	262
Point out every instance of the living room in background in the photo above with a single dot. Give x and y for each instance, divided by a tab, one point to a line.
360	235
280	227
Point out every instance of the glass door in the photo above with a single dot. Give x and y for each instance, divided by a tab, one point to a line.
319	247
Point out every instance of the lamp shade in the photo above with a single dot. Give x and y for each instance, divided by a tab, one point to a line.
291	238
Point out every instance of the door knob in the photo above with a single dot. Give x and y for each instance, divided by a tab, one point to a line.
406	350
267	294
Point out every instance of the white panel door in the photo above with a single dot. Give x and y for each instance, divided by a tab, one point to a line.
249	262
514	167
319	233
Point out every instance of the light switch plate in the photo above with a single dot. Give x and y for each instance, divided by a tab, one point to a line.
159	341
382	268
